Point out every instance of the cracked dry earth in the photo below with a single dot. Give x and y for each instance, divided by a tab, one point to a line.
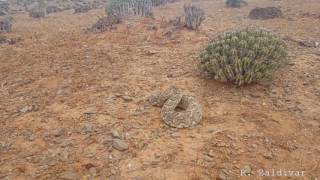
72	105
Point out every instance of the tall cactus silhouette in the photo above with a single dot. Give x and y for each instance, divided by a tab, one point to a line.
193	16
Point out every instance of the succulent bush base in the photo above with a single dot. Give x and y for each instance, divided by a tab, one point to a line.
122	8
193	16
244	56
236	3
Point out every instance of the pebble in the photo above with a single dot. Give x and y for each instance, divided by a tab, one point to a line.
66	143
87	128
126	98
69	175
25	109
59	132
120	145
90	110
207	158
246	170
115	134
268	155
223	176
93	171
211	153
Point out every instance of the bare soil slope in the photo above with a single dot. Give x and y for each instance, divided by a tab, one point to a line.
63	91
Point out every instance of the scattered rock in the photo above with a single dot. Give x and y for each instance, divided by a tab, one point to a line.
222	176
211	153
150	52
87	128
126	98
265	13
90	111
207	158
107	140
26	109
120	145
246	170
152	27
308	43
69	175
59	132
268	155
115	134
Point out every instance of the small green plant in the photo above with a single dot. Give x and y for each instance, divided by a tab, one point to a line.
244	56
235	3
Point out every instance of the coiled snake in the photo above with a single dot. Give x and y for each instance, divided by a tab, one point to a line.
178	110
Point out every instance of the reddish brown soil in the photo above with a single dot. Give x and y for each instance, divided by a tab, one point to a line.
58	77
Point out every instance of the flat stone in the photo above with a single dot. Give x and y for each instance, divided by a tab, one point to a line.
120	145
268	155
211	153
59	132
26	109
69	175
90	110
115	134
246	170
126	98
207	158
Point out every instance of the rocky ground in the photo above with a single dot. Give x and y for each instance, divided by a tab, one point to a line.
72	104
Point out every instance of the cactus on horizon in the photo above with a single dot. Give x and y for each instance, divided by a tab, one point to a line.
193	16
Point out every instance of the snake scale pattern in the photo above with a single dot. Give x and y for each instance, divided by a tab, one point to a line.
178	110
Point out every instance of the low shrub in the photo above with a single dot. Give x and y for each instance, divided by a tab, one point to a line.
244	56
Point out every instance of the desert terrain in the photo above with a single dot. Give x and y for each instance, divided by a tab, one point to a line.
65	93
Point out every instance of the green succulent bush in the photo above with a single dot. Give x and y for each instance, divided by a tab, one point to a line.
243	56
235	3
